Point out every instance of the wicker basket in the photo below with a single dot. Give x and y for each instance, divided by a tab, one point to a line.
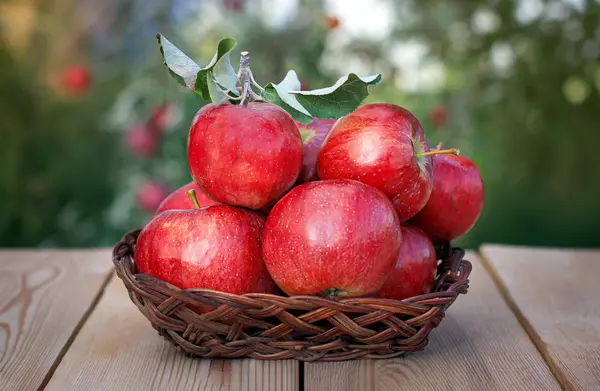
306	328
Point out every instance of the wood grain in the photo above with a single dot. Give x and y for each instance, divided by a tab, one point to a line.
118	349
43	297
556	295
478	346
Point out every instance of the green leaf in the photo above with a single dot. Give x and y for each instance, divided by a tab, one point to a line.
215	91
279	94
212	82
182	68
338	100
218	68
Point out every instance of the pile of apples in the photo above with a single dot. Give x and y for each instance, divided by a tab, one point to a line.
338	208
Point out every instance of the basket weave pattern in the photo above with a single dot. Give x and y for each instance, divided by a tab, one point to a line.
306	328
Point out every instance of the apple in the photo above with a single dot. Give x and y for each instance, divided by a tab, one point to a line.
336	238
217	247
331	22
235	5
149	195
180	199
382	145
456	200
414	273
313	136
245	156
160	117
76	79
141	141
438	115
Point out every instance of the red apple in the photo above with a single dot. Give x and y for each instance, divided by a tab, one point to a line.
160	118
235	5
337	238
381	145
218	247
438	115
332	22
313	136
141	141
456	200
149	196
76	79
414	273
179	199
246	156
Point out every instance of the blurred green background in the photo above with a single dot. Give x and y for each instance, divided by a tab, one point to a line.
93	131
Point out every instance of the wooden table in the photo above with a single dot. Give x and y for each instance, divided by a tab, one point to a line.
531	321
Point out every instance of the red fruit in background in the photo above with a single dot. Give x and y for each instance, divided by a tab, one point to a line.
160	118
246	156
76	79
218	248
149	196
234	5
456	200
336	238
179	199
313	136
332	22
141	141
414	273
438	115
378	144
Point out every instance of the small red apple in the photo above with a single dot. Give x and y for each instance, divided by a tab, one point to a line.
180	199
313	136
456	200
218	247
438	115
149	196
141	141
76	79
415	269
382	145
235	5
332	22
160	118
246	156
337	238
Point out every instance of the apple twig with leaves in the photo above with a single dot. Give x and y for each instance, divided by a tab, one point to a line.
218	82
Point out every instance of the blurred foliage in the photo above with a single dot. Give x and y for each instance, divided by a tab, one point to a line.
517	84
531	124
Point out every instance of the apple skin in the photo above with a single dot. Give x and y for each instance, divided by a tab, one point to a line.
376	145
438	115
246	156
179	199
414	273
76	79
140	140
313	136
218	247
456	200
337	238
149	195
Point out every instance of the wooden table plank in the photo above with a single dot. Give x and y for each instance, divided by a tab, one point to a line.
118	349
43	297
556	295
478	346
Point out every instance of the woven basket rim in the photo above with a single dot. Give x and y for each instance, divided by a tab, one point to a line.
171	311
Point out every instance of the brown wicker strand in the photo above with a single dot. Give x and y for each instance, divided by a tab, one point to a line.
306	328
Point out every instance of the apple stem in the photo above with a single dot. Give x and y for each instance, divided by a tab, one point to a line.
246	79
192	194
453	151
